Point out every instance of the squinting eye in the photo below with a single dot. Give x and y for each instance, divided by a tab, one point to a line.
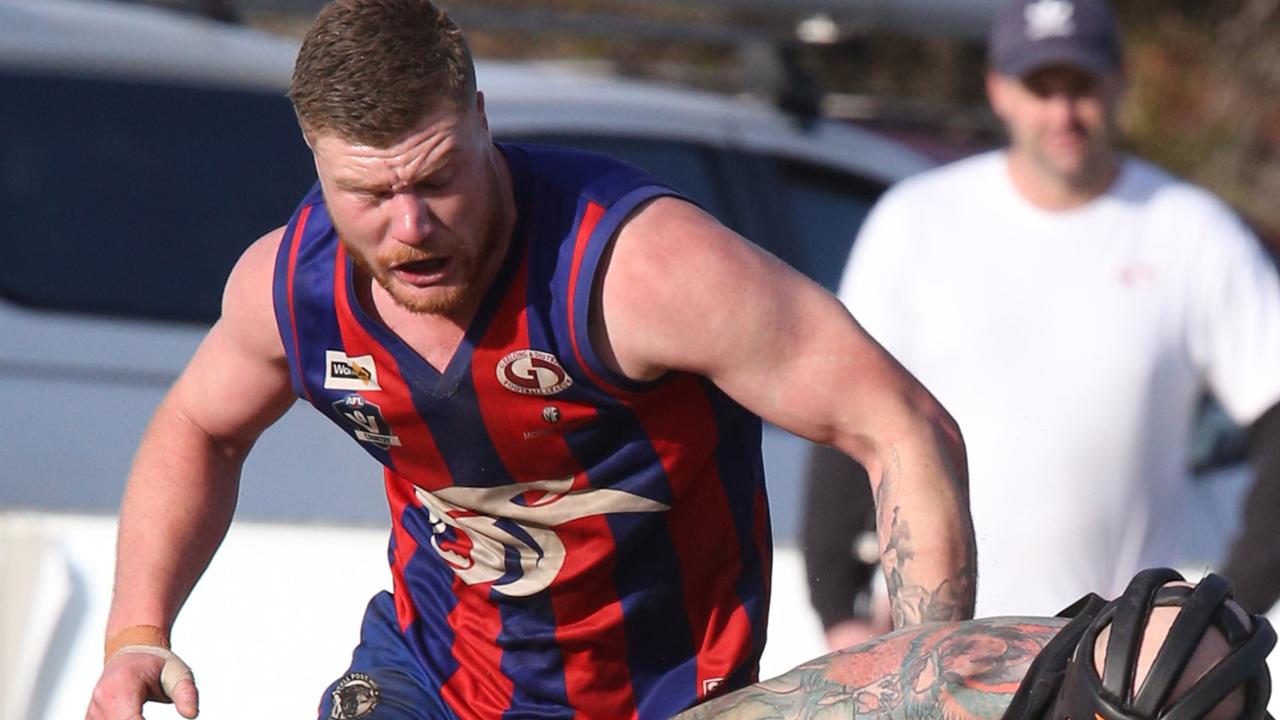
431	183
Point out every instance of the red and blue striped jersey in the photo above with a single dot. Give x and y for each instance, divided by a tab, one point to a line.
566	542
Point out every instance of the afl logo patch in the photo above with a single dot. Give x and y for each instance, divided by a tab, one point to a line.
531	372
366	420
355	696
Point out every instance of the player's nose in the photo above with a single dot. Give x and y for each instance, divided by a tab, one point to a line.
410	218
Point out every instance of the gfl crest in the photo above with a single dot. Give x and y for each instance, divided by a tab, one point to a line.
532	372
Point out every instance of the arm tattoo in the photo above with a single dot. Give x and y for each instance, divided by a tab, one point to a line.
952	671
952	599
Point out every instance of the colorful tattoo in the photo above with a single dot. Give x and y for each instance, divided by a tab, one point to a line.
953	671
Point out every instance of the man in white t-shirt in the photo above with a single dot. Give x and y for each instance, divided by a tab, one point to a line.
1069	305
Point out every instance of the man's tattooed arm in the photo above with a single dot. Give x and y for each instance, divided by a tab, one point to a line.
911	599
956	671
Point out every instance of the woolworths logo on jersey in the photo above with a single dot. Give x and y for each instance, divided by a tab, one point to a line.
477	530
342	372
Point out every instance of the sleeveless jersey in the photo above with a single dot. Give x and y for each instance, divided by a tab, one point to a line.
565	541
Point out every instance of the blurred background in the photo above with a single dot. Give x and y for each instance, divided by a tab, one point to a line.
1205	77
144	145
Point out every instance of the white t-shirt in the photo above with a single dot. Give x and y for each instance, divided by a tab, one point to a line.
1071	347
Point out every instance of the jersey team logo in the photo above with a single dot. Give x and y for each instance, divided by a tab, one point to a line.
366	421
483	533
531	372
342	372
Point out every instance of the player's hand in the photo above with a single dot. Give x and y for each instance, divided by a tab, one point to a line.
135	675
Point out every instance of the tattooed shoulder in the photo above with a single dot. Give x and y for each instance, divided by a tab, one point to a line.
959	671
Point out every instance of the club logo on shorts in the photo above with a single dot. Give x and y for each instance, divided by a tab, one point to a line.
355	696
531	372
342	372
366	421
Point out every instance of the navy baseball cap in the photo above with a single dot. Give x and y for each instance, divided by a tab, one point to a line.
1031	34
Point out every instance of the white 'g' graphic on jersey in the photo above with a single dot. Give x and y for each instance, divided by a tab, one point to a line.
474	513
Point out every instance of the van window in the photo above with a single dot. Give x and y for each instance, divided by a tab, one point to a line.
135	199
823	209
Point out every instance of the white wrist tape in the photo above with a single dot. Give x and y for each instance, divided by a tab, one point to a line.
174	671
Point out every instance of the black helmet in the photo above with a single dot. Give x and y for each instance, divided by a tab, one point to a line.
1063	683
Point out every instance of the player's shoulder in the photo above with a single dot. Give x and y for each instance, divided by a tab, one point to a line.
252	273
250	287
261	253
674	229
669	245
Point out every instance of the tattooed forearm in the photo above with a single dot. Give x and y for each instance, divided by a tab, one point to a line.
915	603
957	671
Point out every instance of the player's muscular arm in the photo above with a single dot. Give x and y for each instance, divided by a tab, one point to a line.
183	485
963	671
682	292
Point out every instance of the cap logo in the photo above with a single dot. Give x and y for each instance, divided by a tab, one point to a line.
1049	18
